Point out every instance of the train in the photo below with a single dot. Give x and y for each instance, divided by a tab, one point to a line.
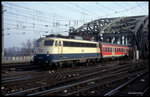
55	51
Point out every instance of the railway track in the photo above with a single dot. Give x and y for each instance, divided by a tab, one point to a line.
27	69
137	86
46	75
36	84
81	85
15	67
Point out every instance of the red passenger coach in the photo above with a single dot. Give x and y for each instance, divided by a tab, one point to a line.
109	50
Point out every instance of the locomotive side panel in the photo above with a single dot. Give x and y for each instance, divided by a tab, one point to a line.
77	49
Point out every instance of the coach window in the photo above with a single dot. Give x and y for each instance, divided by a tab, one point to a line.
108	49
103	49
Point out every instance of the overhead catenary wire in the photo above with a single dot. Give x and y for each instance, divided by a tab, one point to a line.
131	11
72	10
124	10
142	8
28	15
91	13
32	23
41	17
29	30
30	11
107	7
50	18
34	10
98	8
33	16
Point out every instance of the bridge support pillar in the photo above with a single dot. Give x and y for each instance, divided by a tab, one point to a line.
136	55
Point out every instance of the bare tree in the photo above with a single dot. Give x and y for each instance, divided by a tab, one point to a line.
28	47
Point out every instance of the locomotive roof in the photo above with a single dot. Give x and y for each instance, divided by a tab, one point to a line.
70	39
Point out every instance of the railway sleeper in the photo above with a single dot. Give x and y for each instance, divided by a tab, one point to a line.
69	86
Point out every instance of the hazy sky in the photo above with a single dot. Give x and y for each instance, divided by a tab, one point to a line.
31	20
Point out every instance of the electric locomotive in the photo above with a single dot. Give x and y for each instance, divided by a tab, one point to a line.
58	51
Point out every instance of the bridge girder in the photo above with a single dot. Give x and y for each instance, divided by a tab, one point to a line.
132	31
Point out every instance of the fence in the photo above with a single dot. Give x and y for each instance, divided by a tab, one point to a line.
17	58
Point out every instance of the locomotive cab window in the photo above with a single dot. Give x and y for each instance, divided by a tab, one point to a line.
48	42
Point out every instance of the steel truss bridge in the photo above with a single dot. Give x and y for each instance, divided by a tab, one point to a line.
132	31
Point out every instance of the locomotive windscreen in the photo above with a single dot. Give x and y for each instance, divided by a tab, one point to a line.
48	42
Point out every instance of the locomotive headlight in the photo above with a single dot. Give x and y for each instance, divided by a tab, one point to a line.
47	53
